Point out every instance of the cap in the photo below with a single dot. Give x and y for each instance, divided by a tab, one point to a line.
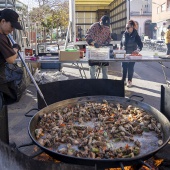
105	20
12	17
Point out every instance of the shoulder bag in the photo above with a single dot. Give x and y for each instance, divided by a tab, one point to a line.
13	74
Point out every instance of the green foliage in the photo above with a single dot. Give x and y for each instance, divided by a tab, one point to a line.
51	17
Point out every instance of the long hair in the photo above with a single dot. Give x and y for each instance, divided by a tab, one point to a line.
132	23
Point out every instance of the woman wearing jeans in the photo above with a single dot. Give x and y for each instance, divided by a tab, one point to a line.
131	42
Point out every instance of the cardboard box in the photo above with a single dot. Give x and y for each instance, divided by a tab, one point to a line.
69	55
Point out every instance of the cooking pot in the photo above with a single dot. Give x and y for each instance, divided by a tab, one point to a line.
107	163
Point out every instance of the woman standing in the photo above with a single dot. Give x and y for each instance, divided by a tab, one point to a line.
131	42
167	40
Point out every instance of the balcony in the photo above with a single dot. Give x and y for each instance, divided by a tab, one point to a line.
134	13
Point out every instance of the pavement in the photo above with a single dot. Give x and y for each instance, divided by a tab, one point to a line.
150	90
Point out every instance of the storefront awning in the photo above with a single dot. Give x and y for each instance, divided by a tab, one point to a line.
93	2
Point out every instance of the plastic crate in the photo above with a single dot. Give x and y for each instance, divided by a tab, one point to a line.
102	53
51	66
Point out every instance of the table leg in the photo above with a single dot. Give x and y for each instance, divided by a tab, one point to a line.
163	66
80	69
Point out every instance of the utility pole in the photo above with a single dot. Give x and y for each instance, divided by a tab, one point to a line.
129	9
72	20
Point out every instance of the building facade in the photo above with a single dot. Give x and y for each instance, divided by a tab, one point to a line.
160	16
88	12
141	12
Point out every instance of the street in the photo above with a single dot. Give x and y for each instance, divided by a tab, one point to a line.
152	71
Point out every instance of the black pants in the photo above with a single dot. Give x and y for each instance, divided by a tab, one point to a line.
168	49
128	67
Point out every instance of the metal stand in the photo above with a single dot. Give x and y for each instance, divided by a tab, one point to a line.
81	69
163	66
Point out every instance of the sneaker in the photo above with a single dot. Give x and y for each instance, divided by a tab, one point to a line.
129	84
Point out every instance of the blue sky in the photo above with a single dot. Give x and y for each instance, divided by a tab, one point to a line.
30	3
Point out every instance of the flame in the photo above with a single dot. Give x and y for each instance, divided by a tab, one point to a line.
126	168
158	162
154	163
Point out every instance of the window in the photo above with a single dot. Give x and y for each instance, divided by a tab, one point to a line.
168	5
163	7
158	10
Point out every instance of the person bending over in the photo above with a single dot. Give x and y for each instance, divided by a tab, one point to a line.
99	35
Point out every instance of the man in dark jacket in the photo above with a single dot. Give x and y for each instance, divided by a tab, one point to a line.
99	35
131	42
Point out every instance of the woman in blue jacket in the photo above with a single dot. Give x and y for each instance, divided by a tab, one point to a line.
131	42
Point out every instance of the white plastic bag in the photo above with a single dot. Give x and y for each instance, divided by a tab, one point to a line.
43	77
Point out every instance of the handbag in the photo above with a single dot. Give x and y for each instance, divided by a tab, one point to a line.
13	77
13	73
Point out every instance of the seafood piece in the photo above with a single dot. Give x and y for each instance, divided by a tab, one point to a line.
92	155
121	128
41	141
69	145
131	155
130	107
73	133
73	141
90	140
127	138
99	143
137	143
160	142
158	125
38	133
59	115
95	150
48	143
70	151
80	119
155	127
62	150
136	150
56	128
